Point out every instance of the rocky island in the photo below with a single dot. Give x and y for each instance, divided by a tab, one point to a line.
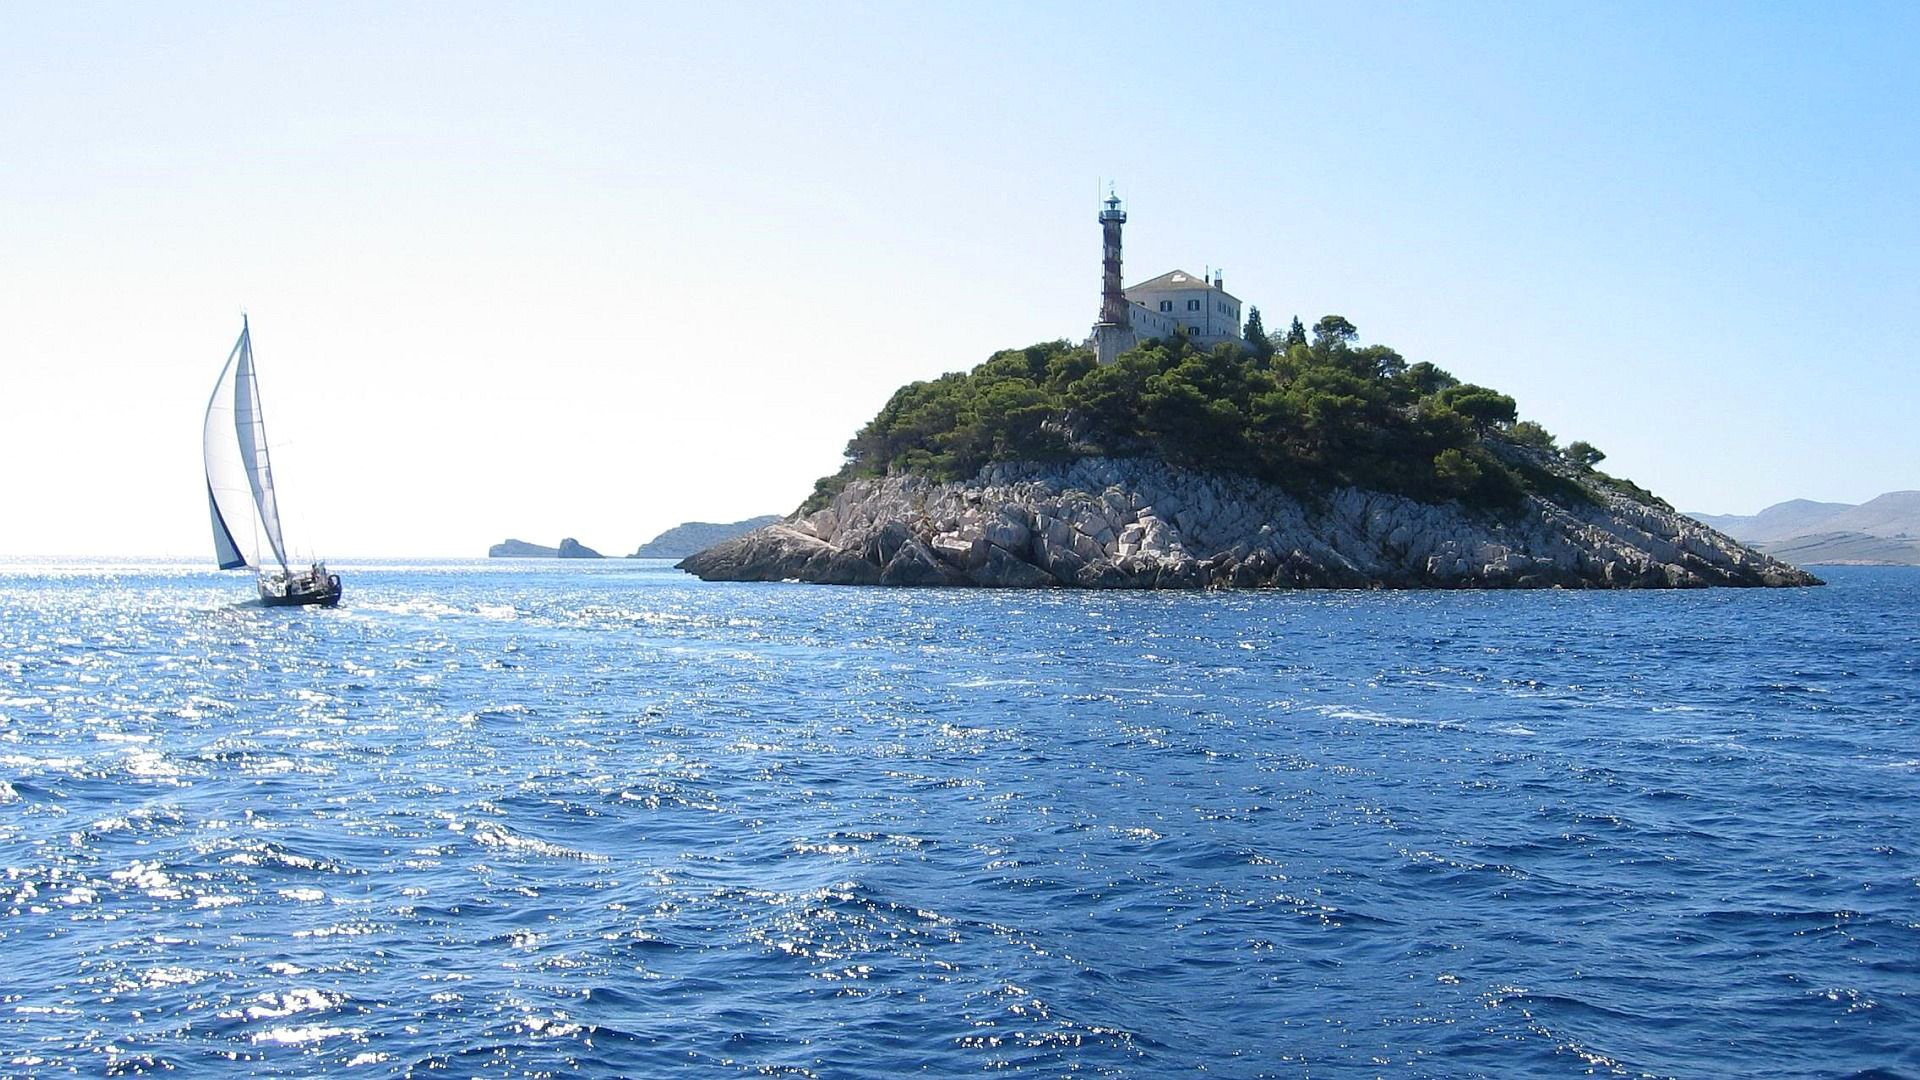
1276	464
520	549
690	537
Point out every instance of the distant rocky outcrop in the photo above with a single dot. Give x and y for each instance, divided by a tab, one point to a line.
1140	523
683	540
1882	531
520	549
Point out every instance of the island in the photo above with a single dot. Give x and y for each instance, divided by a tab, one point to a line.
520	549
689	537
1267	462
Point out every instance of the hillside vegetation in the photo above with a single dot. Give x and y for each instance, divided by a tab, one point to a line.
1308	416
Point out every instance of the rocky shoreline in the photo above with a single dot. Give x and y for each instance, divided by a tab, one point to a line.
1140	524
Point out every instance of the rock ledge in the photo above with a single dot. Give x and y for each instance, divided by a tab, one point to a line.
1141	524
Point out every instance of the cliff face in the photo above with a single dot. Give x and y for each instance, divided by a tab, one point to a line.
1138	523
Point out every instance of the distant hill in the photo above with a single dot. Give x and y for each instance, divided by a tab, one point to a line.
1794	517
1895	514
1883	530
683	540
520	549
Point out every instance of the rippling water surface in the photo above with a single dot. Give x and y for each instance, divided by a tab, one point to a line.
523	818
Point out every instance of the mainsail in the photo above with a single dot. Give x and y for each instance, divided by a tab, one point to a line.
239	476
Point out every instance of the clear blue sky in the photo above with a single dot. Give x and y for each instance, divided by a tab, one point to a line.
595	270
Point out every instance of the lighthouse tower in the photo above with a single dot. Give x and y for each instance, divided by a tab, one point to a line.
1113	334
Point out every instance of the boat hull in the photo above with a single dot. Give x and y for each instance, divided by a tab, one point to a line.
304	594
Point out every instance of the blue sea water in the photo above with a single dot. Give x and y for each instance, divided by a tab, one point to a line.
546	819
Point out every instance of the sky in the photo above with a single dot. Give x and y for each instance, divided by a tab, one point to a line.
593	270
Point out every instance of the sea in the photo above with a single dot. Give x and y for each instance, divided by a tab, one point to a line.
557	819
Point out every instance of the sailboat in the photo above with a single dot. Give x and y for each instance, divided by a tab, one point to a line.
240	489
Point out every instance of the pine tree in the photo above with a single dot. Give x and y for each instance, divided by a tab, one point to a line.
1256	334
1334	330
1583	453
1296	334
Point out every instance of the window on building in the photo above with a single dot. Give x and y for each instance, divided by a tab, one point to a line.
1166	305
1193	305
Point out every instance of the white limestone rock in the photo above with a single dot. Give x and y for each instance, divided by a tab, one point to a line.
1139	523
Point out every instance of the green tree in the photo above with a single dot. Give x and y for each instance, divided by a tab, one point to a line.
1333	330
1296	334
1189	424
1425	379
1103	406
1010	421
1456	473
1584	454
1068	367
1256	335
1379	362
1477	403
1528	433
1338	411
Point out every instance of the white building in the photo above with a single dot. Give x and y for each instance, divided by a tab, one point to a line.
1176	302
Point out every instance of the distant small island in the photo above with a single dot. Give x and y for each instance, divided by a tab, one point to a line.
520	549
685	539
1276	462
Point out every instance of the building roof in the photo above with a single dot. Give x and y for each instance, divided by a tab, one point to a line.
1177	281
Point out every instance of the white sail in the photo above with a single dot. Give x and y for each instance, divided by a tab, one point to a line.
252	429
228	496
240	492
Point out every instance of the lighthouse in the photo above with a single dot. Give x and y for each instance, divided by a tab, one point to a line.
1113	334
1176	304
